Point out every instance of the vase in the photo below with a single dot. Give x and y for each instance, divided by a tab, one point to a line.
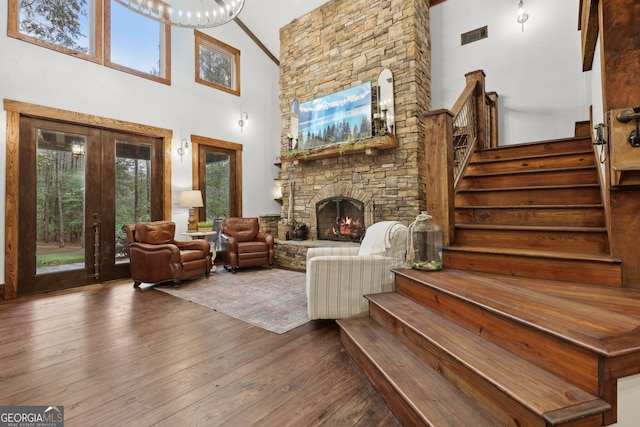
425	249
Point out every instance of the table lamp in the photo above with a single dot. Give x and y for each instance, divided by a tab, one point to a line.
191	199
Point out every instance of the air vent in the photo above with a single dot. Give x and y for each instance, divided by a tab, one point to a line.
474	35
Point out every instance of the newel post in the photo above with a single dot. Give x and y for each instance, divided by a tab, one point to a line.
480	106
439	170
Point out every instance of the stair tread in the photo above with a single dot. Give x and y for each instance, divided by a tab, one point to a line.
605	332
528	207
436	400
477	161
534	253
528	188
532	228
530	171
538	390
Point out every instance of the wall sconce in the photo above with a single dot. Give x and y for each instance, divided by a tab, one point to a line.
522	15
244	118
191	199
77	150
184	147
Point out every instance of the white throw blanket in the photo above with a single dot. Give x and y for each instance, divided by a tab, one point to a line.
377	238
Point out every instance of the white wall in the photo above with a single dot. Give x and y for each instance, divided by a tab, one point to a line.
536	73
37	75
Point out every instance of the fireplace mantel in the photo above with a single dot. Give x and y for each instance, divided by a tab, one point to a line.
368	146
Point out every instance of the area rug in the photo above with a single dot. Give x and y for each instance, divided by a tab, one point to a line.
272	299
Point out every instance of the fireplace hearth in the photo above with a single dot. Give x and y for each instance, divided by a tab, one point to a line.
340	218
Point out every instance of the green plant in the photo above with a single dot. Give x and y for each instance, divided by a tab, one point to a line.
205	224
289	154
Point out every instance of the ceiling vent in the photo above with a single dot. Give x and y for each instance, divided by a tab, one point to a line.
474	35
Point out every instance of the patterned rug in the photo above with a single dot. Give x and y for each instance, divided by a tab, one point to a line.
271	299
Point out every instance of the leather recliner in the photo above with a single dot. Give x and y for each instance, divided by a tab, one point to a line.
156	257
243	245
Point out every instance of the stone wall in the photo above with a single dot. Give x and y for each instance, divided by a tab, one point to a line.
343	44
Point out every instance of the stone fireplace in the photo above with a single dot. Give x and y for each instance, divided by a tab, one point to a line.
340	212
340	218
326	51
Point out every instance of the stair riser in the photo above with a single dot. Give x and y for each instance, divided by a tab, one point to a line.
571	270
542	178
522	150
532	216
487	396
587	243
405	413
522	197
562	358
532	164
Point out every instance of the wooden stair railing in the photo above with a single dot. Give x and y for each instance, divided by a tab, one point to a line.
451	137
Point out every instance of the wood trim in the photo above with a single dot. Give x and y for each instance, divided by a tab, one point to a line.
435	2
195	161
257	41
589	27
12	201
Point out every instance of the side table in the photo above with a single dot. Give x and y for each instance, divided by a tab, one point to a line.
206	235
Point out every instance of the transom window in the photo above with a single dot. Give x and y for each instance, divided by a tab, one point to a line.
131	43
217	64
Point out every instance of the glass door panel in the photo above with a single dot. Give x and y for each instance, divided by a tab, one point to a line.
216	192
133	180
60	187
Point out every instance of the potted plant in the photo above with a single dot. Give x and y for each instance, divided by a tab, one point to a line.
205	226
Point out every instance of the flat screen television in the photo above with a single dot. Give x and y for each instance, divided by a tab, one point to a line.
340	117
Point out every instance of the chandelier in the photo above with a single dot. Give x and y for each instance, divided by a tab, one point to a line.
202	15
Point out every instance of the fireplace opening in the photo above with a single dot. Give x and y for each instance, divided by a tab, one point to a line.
340	218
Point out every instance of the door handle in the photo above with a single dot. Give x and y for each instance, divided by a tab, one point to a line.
626	116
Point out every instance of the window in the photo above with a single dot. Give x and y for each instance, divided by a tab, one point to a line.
136	44
132	43
67	26
217	64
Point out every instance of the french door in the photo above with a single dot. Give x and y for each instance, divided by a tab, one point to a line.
78	186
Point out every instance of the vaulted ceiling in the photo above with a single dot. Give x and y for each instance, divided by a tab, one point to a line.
265	18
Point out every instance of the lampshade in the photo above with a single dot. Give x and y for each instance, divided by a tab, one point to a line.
191	199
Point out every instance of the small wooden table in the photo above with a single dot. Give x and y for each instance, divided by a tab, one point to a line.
206	235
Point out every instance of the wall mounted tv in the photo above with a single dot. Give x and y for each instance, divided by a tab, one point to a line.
339	117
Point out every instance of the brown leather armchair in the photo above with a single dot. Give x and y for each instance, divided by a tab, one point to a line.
243	245
155	257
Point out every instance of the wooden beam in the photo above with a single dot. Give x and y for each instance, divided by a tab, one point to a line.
257	41
589	27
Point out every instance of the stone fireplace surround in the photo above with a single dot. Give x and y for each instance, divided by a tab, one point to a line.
342	189
337	46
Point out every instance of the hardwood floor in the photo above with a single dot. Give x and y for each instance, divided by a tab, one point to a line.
115	356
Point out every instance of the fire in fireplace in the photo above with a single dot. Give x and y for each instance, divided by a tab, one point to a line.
340	218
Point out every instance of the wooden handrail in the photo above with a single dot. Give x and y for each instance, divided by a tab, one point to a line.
451	137
462	99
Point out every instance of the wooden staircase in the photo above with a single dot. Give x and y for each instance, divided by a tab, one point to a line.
518	329
534	210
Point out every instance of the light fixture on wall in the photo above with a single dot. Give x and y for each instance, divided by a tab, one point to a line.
196	13
244	118
191	199
77	149
522	15
184	147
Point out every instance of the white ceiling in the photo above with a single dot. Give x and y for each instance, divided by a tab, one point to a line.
264	18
